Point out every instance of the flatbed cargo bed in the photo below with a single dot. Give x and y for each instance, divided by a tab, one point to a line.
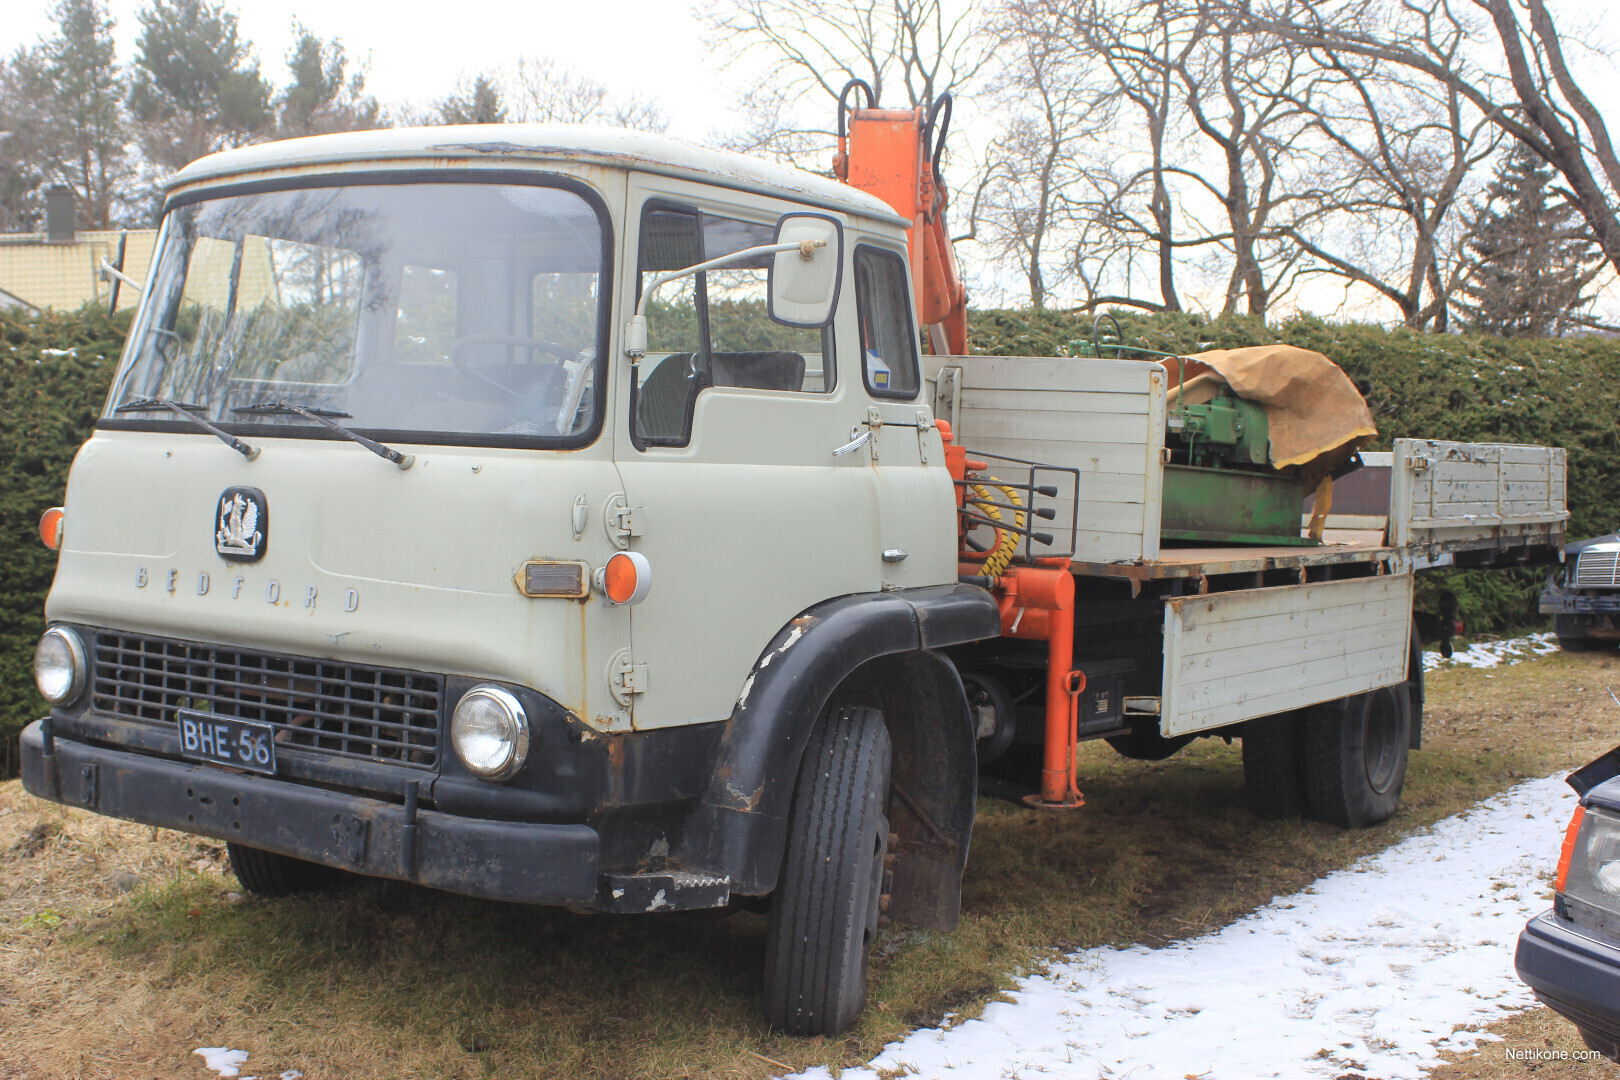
1425	503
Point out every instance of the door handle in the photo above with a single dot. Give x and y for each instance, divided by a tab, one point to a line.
854	444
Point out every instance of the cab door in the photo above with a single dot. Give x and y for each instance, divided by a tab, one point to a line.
731	489
915	498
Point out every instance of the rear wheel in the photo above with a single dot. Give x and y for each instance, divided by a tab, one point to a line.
1273	781
825	909
1355	756
265	873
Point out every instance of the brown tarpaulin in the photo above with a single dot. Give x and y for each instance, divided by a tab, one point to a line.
1316	415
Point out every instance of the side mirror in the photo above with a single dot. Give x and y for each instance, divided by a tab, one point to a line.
804	281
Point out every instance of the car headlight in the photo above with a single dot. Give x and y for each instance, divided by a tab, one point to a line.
59	665
490	732
1593	874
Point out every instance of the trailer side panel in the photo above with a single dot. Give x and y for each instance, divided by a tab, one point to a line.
1234	656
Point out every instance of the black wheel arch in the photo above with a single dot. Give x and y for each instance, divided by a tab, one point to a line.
872	649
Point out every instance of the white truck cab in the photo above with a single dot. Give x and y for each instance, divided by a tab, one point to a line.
337	577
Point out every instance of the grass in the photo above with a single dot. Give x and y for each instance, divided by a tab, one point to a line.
123	948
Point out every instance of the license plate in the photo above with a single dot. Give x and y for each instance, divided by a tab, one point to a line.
225	740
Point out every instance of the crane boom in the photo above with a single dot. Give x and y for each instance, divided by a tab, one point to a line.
894	154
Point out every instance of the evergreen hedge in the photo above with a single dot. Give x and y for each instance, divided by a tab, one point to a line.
55	370
54	375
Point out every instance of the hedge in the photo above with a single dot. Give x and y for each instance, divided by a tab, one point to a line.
55	370
54	375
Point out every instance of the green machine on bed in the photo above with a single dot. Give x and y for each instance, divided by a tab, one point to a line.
1226	481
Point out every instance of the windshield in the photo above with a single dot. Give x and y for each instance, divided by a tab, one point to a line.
435	311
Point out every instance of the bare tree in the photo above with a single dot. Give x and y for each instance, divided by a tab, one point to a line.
814	47
1189	157
1400	154
541	91
1050	116
1537	101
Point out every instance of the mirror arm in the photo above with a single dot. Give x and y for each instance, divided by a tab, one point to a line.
803	247
635	331
108	271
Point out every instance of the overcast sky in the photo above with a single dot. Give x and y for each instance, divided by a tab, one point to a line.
652	48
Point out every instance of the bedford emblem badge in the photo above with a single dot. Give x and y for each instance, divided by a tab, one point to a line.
243	525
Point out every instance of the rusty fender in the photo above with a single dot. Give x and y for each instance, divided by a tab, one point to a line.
874	647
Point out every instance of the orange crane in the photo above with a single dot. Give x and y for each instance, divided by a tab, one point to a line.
895	155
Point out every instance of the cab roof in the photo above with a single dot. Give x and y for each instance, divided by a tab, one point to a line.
495	145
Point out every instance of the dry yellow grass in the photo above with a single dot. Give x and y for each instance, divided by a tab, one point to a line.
122	950
1537	1030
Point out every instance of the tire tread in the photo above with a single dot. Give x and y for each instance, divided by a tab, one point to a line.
810	988
266	873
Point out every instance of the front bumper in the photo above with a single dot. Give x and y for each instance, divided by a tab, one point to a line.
498	860
1575	974
1572	603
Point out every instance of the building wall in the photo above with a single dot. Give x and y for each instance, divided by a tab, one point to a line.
64	276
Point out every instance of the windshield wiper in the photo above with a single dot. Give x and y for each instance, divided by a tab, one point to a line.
188	411
323	416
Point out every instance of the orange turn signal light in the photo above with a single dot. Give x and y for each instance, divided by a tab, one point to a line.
50	527
1568	850
627	578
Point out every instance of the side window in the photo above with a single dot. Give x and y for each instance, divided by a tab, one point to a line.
713	328
888	341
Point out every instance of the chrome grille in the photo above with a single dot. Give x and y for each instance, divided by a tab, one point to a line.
325	706
1596	569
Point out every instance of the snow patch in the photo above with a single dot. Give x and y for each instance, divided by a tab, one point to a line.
1371	969
228	1062
1489	654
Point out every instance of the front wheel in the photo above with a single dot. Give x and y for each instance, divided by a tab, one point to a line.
265	873
1572	636
1355	756
825	909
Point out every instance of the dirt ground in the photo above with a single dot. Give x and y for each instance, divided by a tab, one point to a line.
123	948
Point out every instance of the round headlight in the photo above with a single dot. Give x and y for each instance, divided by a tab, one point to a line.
59	665
490	733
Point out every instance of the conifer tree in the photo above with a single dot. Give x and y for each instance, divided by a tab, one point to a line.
197	87
91	128
479	103
62	121
1529	256
323	96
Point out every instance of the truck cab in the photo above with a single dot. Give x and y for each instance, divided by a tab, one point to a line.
1583	595
486	511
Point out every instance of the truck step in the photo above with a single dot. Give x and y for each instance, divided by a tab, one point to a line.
664	890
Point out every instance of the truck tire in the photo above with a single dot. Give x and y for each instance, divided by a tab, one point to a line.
825	908
1355	756
1273	777
265	873
1572	635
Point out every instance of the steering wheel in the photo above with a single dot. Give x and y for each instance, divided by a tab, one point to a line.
461	344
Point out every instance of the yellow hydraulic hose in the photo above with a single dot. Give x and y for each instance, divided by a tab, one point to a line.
1000	557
